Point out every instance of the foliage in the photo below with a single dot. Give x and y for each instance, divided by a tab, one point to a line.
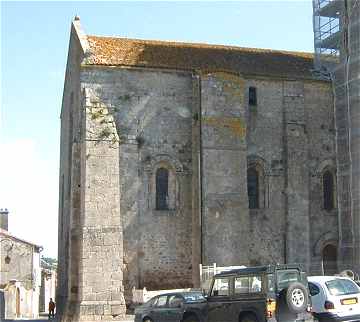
48	262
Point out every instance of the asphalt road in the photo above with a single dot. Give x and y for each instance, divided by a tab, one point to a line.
128	318
30	320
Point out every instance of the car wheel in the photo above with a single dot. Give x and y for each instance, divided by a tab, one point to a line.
190	318
249	318
147	320
297	297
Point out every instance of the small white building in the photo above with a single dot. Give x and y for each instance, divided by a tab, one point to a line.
48	288
20	275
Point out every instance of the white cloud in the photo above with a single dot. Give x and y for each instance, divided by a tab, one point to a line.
29	189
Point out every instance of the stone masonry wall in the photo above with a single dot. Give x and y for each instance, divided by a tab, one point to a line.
153	115
100	286
266	150
225	218
297	174
265	146
69	175
320	127
20	267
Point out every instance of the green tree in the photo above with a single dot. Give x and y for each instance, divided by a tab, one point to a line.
48	262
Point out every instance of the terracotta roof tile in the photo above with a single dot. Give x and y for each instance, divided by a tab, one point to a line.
176	55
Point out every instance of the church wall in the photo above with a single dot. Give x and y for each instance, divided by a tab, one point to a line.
322	157
153	115
308	106
68	174
265	151
225	217
154	118
99	288
296	147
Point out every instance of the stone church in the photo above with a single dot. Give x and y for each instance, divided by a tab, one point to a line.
179	154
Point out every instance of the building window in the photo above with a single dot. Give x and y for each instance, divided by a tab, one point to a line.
253	188
252	96
162	189
328	190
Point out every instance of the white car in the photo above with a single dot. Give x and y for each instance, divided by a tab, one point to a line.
334	298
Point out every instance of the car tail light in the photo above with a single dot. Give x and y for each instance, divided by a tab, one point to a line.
329	305
270	308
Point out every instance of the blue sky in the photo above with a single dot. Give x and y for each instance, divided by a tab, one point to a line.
34	43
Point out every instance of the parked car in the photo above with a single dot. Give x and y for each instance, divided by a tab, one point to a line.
273	293
334	298
173	307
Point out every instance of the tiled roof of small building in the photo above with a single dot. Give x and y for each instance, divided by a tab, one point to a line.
113	51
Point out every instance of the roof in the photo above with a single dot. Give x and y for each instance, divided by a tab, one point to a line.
6	234
259	269
113	51
322	279
247	270
180	293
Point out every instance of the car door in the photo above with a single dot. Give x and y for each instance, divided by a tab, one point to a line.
219	301
175	308
317	297
159	310
249	295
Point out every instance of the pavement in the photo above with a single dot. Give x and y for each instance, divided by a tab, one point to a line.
128	318
40	319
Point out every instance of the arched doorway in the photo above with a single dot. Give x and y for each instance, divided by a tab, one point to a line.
17	302
329	256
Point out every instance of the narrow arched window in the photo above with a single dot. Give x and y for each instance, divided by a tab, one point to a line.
328	190
252	96
253	188
162	189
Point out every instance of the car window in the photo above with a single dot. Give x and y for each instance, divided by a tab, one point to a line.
194	297
314	289
285	278
248	284
175	301
151	302
271	283
255	284
161	302
241	285
342	287
221	287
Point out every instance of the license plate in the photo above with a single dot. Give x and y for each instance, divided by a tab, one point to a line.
349	301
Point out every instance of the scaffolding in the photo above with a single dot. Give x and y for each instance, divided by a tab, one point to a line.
337	54
327	32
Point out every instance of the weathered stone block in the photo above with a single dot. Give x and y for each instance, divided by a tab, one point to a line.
117	309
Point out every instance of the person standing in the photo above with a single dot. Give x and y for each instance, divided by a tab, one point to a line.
52	306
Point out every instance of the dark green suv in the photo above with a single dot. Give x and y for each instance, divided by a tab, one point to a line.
274	293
